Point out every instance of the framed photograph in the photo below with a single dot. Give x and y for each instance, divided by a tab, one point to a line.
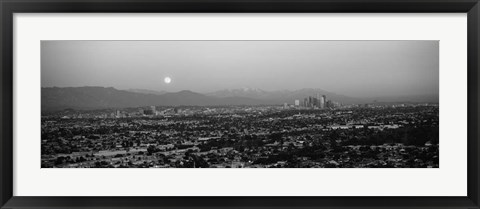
239	104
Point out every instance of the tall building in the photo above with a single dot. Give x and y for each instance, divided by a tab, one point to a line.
285	105
318	100
323	100
154	111
297	102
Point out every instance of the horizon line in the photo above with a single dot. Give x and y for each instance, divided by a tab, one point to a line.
239	88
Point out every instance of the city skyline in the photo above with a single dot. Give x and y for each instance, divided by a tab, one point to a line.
350	104
351	68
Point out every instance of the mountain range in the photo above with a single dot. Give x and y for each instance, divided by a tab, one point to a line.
56	98
146	91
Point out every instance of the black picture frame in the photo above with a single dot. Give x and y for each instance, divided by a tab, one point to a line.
9	7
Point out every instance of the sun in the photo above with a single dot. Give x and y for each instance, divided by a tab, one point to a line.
167	80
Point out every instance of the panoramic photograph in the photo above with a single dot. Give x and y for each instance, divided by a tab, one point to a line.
239	104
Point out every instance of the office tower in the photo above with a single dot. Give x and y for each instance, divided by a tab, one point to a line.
318	100
154	111
322	101
297	102
285	105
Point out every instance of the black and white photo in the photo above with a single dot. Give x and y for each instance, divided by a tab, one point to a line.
239	104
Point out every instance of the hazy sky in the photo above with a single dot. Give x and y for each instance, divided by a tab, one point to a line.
352	68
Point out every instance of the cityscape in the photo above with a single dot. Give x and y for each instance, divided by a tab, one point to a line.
314	133
239	104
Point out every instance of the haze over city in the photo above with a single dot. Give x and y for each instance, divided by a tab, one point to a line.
240	104
351	68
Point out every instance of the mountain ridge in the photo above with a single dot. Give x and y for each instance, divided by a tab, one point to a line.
97	97
147	91
56	98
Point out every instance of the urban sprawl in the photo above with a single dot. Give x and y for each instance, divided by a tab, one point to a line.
308	133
